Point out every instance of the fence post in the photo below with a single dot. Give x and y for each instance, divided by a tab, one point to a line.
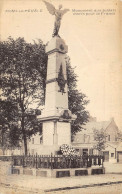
88	160
12	160
102	160
47	161
92	160
33	160
54	166
97	160
23	161
36	160
51	161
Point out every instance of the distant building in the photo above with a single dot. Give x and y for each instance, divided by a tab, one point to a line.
35	144
6	149
11	151
84	140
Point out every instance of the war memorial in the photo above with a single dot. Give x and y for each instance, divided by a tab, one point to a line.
56	117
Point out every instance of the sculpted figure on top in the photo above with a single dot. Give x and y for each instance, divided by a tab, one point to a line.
58	16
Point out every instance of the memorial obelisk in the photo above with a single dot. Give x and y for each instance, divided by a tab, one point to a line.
56	117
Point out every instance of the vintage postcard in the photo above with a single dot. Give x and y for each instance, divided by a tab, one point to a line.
60	96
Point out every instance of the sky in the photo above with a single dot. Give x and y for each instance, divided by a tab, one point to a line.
91	29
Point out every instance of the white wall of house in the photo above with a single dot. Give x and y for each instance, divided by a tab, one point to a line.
35	144
112	131
9	152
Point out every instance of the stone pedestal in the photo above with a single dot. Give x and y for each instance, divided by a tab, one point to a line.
56	117
56	135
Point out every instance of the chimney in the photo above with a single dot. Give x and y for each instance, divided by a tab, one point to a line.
93	119
112	119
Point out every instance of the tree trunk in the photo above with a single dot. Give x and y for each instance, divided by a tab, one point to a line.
3	149
25	144
24	136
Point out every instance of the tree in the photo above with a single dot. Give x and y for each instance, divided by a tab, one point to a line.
23	68
77	101
23	72
100	139
9	132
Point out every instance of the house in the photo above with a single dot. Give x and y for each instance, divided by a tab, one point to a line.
6	149
11	151
84	141
35	144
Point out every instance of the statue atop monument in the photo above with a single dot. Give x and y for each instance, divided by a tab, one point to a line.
58	16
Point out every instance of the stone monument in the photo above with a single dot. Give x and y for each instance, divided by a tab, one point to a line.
56	117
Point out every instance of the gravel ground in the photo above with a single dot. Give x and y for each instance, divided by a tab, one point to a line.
109	189
23	184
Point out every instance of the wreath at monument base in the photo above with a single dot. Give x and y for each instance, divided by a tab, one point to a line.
67	151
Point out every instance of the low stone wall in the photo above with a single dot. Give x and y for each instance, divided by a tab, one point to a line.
115	168
5	167
56	173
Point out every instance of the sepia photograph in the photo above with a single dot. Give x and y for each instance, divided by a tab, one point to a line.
61	96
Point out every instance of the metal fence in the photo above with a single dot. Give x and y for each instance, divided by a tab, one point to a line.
57	161
6	158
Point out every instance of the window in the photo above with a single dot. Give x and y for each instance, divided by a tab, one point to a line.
86	138
112	154
90	151
85	151
41	139
32	140
108	137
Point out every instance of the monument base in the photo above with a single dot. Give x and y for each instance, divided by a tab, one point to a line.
56	173
56	133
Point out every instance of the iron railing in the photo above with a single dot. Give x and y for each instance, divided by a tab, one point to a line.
6	158
57	161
